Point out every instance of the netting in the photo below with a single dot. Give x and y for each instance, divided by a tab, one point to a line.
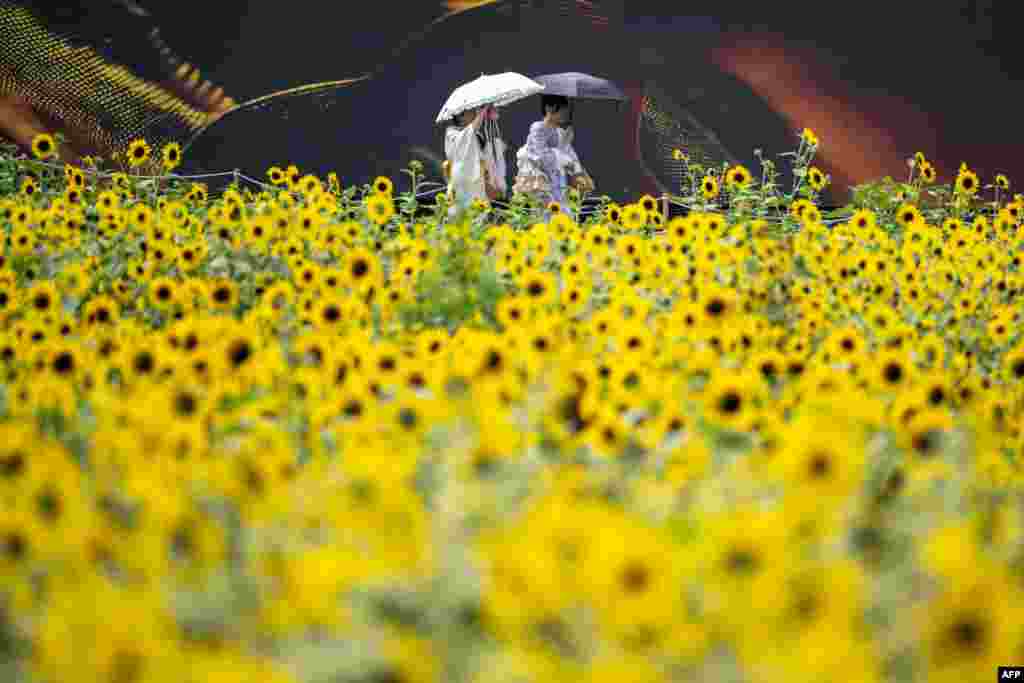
666	127
100	96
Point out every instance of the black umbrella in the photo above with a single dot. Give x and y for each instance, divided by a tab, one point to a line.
580	86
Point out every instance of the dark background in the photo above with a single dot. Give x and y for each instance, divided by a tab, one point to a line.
942	78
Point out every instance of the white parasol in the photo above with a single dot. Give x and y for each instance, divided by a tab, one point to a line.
495	89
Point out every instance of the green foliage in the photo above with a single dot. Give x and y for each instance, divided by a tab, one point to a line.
462	286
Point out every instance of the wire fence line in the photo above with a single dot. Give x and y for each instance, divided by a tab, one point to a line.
235	174
435	188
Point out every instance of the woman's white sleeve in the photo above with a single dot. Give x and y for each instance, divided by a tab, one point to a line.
463	151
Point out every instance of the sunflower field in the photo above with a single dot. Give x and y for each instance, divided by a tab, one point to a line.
327	434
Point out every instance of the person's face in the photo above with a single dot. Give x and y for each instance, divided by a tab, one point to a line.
557	116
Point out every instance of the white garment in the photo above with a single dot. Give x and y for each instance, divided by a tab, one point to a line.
466	183
545	162
541	164
572	161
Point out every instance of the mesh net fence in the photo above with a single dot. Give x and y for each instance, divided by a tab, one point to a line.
101	98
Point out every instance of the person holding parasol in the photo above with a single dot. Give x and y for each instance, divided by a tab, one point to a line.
548	164
474	151
542	162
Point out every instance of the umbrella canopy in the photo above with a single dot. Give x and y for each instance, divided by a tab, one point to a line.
495	89
580	86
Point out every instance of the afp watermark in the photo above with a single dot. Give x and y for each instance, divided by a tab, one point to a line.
1011	673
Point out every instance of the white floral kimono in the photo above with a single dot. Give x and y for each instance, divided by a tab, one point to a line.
470	168
544	164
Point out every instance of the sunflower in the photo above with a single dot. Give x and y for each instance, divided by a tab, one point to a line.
863	220
729	401
1002	182
892	370
29	186
966	182
380	208
138	152
634	217
909	215
613	213
737	177
709	187
43	297
927	172
649	203
224	294
539	287
383	185
162	291
809	137
276	175
554	207
310	185
361	267
171	154
197	193
811	215
43	146
23	241
63	361
816	179
329	311
239	349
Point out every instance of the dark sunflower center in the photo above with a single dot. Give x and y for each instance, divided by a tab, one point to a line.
741	561
49	505
635	578
969	633
64	362
12	464
14	545
239	352
730	403
927	441
820	466
185	404
893	373
144	362
408	418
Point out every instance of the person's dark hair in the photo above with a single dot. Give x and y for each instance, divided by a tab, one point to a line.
556	102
